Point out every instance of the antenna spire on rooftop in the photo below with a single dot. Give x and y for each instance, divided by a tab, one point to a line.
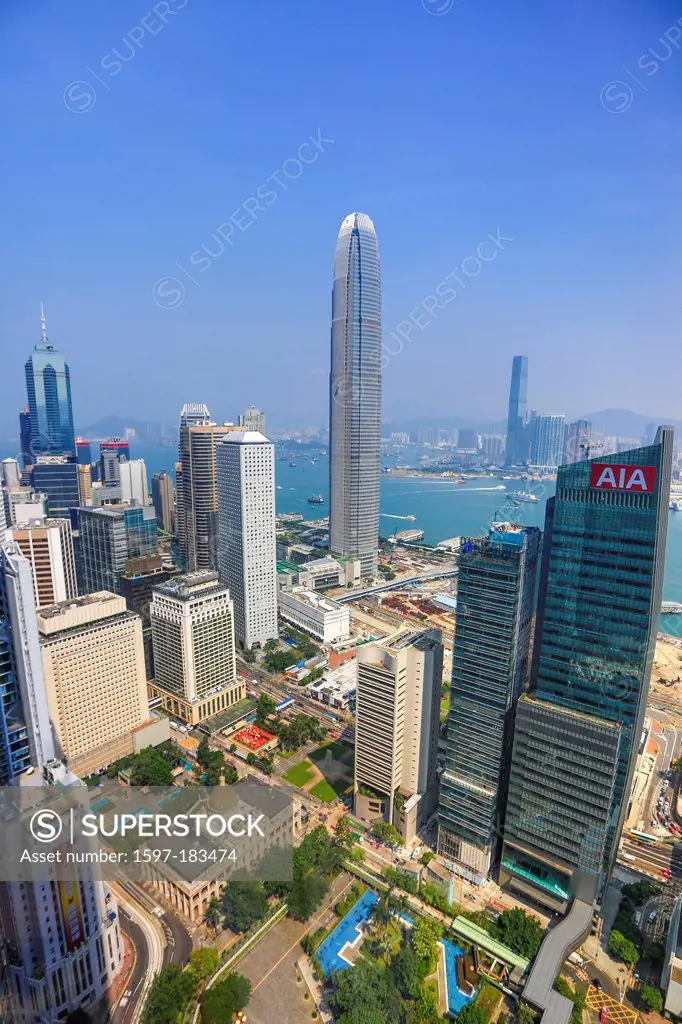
43	323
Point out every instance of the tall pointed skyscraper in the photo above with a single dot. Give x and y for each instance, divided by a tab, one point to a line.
355	395
48	386
517	431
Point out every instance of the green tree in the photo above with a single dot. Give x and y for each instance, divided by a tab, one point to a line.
343	834
425	935
651	997
408	972
272	644
307	892
233	747
386	833
214	913
244	903
520	931
220	1003
623	948
472	1014
251	757
249	656
170	993
425	1009
204	962
265	706
151	768
365	994
524	1015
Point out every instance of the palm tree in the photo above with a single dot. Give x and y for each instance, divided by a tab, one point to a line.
214	914
384	909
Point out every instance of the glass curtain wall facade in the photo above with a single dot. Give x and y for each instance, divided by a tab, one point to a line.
48	386
599	601
495	606
355	395
517	442
549	441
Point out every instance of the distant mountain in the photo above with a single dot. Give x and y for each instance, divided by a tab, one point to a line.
483	425
624	423
114	426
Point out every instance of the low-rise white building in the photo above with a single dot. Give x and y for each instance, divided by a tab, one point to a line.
323	618
324	573
337	688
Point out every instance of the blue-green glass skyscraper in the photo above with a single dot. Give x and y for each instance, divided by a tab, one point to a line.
577	733
48	386
490	668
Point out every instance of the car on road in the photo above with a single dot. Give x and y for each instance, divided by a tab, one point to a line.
665	872
652	917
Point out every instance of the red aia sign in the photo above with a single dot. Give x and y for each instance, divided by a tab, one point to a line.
640	479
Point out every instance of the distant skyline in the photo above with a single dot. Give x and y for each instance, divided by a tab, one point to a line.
491	121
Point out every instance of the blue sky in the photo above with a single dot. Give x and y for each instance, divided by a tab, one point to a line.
446	127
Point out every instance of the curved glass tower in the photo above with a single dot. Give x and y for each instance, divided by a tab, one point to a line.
48	386
355	395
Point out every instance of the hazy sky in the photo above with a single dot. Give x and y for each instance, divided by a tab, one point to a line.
451	120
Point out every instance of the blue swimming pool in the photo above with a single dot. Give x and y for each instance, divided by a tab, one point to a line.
456	998
346	931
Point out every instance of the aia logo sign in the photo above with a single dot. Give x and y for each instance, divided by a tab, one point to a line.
610	477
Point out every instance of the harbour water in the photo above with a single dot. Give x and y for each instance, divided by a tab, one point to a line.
442	508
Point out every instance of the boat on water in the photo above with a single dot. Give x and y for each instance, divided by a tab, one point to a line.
292	464
411	519
671	608
676	505
316	499
524	496
460	481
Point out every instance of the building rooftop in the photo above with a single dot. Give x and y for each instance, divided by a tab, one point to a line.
312	598
191	585
245	437
100	597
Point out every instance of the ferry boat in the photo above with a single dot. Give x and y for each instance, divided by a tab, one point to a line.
292	464
676	505
411	519
316	499
524	496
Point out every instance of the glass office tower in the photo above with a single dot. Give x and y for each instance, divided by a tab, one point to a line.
599	602
355	395
490	667
48	385
548	441
517	432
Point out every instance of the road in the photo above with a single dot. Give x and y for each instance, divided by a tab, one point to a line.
447	570
125	1010
159	937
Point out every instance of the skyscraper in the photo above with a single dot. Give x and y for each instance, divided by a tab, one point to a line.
578	437
248	547
57	477
516	451
48	386
253	419
163	497
48	547
133	478
355	395
25	437
60	944
108	537
95	680
197	497
548	441
577	732
495	605
194	652
396	732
